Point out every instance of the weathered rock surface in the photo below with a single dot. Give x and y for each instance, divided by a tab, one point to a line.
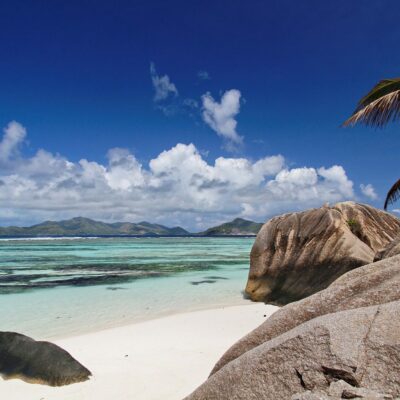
339	343
372	284
308	395
298	254
342	390
392	249
38	362
359	346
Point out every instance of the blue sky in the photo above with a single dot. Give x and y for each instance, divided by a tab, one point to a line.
76	76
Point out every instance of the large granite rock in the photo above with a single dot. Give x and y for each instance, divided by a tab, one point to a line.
359	346
342	390
372	284
38	362
298	254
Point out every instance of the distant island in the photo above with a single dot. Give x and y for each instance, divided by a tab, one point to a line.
238	226
80	226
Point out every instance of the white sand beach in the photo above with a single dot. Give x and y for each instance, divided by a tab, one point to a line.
161	359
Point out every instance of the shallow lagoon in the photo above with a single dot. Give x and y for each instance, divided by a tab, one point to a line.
61	287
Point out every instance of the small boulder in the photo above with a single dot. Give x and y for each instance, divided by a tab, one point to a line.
298	254
38	362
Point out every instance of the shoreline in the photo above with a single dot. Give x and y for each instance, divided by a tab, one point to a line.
80	286
111	325
176	351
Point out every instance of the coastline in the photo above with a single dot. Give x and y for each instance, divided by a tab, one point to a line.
164	358
61	288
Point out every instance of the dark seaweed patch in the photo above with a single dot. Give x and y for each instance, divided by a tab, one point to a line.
91	274
201	282
216	277
25	283
20	278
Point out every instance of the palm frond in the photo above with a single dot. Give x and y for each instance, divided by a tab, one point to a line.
380	106
393	194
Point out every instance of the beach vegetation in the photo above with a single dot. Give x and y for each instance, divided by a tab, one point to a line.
354	226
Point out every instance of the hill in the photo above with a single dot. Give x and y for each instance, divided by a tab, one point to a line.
80	226
87	227
238	226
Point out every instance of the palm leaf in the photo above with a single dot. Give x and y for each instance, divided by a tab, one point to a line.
380	106
393	194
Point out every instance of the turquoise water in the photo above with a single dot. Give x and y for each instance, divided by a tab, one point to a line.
52	288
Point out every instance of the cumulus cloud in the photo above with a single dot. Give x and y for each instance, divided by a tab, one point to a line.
14	135
163	86
220	116
178	186
308	184
368	191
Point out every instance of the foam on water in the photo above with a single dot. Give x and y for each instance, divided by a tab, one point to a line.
59	288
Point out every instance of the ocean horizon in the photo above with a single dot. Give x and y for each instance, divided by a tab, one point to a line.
55	237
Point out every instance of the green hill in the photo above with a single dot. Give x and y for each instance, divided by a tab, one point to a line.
87	227
80	226
238	226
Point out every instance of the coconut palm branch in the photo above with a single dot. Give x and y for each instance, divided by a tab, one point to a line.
393	194
380	106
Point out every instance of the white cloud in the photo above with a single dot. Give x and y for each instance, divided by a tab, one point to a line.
124	172
368	191
305	185
221	116
162	85
337	178
178	186
14	135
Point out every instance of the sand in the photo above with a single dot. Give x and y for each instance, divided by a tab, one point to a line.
165	358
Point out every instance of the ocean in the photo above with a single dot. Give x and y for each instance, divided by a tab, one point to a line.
53	288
